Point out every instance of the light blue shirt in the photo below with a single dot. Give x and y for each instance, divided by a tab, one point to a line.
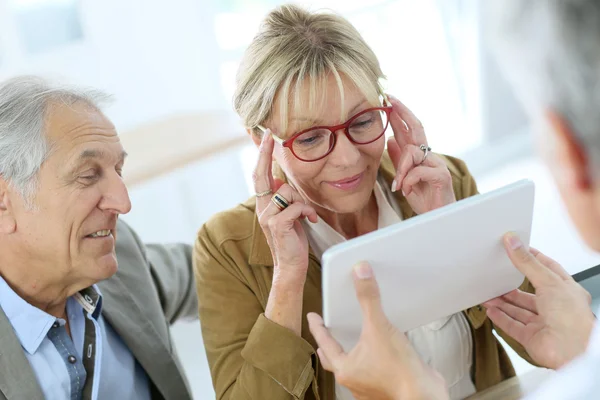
56	358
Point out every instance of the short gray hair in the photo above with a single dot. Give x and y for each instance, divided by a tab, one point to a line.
551	50
24	105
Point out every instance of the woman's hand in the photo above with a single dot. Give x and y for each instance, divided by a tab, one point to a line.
426	182
286	238
285	235
383	365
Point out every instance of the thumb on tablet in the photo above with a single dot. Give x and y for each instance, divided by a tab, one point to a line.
367	291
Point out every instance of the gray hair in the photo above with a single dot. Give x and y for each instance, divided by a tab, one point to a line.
551	51
24	106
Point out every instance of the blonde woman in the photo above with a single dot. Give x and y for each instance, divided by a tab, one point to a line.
308	92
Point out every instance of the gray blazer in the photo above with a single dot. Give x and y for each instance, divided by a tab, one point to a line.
153	288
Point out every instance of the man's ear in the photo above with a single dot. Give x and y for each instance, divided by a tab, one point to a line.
8	223
569	152
255	138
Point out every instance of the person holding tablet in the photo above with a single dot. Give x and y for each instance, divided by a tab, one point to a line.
308	91
558	74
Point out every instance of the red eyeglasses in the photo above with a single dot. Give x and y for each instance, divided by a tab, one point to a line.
318	142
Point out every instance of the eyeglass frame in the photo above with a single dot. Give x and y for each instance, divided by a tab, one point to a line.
333	129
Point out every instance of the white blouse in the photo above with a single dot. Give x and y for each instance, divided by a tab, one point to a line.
446	344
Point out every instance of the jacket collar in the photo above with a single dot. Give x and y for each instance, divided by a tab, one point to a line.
17	379
129	319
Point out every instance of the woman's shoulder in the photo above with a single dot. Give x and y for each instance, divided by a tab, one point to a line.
462	181
235	224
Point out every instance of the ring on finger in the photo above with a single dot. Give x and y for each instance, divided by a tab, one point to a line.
280	201
426	149
263	194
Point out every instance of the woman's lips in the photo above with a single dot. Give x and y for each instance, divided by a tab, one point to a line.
348	183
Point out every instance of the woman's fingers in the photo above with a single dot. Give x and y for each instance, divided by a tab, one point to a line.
262	176
289	194
433	176
410	157
283	221
394	151
401	119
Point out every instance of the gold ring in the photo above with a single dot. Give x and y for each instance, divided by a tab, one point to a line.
280	201
263	194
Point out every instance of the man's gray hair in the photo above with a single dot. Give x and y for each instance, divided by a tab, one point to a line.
24	107
551	51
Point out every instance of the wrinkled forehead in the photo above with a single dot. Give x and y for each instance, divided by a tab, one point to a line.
69	128
325	100
63	119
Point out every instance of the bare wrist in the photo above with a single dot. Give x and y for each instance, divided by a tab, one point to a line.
289	279
284	306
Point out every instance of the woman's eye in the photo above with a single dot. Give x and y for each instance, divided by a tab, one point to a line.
362	124
308	140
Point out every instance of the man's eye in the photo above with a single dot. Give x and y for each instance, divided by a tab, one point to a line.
90	177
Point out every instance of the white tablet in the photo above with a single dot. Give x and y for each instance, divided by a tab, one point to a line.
433	265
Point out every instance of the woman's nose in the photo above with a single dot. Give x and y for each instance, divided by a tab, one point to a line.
345	152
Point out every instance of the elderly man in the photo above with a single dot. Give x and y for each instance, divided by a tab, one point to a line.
551	49
72	324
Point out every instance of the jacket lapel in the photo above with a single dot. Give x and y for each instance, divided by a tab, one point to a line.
17	380
143	340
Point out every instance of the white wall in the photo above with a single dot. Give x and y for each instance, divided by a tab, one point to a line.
155	56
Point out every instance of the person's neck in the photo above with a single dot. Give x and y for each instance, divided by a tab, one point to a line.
354	224
50	297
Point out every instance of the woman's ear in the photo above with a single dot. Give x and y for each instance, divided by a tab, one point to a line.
255	138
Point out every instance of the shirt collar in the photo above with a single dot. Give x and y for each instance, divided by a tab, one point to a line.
31	325
322	236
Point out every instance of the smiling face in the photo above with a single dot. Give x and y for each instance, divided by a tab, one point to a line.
343	181
69	234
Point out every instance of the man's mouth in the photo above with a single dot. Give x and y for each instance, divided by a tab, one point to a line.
100	234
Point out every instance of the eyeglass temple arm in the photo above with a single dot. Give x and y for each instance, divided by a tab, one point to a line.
386	101
275	138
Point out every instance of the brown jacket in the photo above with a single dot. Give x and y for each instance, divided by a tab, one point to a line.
251	357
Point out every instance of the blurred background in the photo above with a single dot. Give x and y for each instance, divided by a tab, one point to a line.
171	67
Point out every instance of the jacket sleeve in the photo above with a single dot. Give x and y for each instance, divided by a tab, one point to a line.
250	357
171	270
464	183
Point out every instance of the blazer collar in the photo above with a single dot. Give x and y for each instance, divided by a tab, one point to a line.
150	349
17	379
